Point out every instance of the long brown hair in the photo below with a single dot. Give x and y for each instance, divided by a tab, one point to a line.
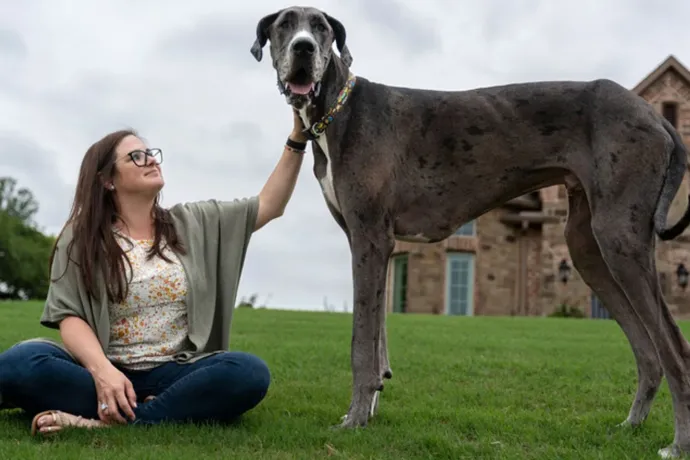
93	214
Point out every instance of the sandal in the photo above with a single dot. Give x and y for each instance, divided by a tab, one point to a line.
62	420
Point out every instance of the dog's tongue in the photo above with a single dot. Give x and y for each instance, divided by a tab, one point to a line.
300	89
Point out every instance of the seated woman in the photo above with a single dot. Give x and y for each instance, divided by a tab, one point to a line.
143	298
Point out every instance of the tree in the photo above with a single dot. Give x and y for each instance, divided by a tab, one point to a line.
24	250
16	202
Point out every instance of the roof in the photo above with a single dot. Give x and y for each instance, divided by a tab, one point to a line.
671	63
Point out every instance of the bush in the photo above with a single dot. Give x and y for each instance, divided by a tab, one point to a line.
566	311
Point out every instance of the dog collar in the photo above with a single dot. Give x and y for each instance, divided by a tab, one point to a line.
318	128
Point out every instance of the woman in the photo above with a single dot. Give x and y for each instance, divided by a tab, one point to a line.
143	299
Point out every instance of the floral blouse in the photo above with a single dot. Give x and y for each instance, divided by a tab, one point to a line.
150	326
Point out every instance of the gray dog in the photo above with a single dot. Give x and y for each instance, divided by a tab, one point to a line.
414	164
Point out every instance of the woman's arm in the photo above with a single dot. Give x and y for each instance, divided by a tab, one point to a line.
112	386
278	189
81	341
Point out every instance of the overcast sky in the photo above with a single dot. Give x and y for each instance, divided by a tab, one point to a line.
181	73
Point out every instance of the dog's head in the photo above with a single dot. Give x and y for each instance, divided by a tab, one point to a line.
301	49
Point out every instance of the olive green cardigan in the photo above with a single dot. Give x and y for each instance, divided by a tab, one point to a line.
215	235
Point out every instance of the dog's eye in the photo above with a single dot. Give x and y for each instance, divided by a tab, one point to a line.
320	27
284	25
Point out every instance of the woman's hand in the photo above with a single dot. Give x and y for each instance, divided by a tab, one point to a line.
297	134
114	389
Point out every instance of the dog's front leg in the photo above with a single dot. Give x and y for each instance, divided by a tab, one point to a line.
370	254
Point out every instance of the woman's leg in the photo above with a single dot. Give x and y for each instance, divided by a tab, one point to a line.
218	388
38	376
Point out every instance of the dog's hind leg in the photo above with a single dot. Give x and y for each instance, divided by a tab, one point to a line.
589	263
622	225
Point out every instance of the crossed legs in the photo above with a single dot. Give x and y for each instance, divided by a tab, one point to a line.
40	377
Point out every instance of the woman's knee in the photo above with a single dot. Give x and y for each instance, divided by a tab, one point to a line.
249	369
23	352
23	356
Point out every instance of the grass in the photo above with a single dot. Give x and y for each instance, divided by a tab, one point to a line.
463	388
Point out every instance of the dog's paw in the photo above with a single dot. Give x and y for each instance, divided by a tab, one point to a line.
672	451
350	422
358	418
625	424
628	424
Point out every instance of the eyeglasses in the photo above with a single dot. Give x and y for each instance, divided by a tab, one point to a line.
141	157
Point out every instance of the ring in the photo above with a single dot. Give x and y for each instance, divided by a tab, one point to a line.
104	406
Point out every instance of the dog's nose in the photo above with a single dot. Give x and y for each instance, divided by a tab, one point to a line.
303	47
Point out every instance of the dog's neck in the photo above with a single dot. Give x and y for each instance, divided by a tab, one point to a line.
333	83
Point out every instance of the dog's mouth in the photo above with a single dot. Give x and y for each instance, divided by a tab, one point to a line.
301	83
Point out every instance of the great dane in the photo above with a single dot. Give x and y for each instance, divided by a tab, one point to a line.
416	164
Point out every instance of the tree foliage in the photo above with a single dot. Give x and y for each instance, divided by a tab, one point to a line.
17	202
24	250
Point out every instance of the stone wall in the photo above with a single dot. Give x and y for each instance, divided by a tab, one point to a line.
553	293
496	268
671	87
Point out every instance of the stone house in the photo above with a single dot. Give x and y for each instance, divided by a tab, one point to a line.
506	262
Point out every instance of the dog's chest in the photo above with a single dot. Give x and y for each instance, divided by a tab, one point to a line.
326	181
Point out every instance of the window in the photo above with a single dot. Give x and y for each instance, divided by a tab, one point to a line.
599	311
670	111
400	283
459	283
468	229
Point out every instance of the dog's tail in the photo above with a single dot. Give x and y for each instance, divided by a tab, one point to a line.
674	177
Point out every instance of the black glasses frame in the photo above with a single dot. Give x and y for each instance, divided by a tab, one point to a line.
148	153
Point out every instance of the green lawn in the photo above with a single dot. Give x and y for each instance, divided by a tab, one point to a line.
463	388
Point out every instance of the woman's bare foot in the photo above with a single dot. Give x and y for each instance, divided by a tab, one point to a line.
52	421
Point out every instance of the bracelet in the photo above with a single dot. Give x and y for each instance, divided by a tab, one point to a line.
294	145
294	149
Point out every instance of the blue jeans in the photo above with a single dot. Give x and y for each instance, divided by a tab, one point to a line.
38	376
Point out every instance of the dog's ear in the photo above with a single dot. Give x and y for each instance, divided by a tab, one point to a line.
340	35
262	35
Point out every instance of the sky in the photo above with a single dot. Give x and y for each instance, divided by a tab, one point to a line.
181	74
